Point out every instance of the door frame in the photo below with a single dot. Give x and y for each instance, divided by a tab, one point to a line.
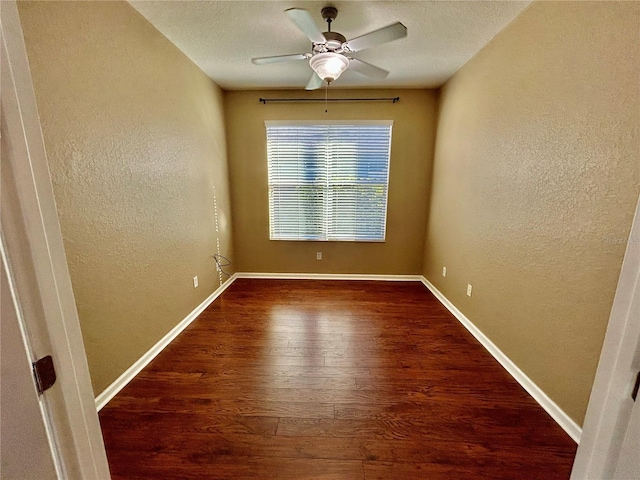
610	402
73	416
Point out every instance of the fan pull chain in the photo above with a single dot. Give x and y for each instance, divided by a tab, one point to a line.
326	98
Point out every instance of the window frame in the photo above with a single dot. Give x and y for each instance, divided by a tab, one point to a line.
302	123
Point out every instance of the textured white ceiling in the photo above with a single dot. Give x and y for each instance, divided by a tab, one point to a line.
221	37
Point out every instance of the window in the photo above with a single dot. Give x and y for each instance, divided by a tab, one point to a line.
328	181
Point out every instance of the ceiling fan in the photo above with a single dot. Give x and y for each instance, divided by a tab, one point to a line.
329	56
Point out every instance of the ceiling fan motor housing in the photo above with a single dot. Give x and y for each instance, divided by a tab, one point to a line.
334	43
334	40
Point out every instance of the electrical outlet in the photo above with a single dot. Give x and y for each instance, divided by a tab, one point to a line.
195	282
469	288
444	271
318	255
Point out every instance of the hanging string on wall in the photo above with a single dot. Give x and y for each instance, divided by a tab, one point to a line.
221	260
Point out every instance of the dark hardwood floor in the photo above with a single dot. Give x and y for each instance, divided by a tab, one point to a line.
329	380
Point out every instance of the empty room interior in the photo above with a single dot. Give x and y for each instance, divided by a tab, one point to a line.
392	253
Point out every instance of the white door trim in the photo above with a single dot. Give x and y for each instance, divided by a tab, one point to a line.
73	414
608	405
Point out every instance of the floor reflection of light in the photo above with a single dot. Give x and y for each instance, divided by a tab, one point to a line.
308	341
321	334
312	332
280	322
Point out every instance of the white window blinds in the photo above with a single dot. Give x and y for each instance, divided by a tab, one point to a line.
328	181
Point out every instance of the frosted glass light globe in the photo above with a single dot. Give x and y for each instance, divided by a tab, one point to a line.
329	66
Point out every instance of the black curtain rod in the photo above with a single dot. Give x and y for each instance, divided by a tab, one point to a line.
305	100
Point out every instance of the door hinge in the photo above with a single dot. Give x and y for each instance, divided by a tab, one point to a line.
636	387
44	373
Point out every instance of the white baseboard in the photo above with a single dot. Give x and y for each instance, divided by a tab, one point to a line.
567	424
331	276
144	360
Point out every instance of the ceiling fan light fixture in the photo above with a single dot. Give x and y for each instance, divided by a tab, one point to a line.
329	66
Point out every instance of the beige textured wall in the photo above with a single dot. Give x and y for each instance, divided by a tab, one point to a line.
409	180
535	182
135	137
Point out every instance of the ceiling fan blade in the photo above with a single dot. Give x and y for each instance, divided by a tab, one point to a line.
305	22
280	58
315	82
367	69
377	37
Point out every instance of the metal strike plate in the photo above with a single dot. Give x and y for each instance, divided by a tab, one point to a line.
44	373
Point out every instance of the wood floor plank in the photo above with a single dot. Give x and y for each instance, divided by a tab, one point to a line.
331	380
438	471
426	428
268	380
167	423
236	361
399	429
406	361
179	466
194	405
228	367
243	446
254	408
336	396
